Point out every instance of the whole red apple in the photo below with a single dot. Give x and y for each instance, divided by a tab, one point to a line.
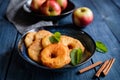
82	16
50	8
36	4
63	3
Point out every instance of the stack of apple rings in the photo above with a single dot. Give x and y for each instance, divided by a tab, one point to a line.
33	42
52	55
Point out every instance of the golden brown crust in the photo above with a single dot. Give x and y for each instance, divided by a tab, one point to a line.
41	33
46	41
29	38
55	56
71	43
34	50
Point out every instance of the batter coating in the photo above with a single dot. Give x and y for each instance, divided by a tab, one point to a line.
29	38
55	56
68	41
46	41
71	43
34	50
42	33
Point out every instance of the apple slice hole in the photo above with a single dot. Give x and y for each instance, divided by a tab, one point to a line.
53	55
70	46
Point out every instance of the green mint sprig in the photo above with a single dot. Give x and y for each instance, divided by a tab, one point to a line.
76	55
55	38
101	47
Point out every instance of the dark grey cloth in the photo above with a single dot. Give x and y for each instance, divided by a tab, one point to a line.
22	20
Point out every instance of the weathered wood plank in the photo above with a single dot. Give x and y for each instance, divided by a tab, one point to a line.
7	39
116	2
3	7
110	14
73	75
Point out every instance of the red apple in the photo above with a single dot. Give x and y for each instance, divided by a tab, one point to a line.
36	4
63	3
82	16
50	8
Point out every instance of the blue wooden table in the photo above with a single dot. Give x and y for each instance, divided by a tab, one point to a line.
105	28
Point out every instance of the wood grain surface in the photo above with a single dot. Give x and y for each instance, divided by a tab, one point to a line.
105	28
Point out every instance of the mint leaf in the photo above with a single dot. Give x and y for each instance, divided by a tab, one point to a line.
73	56
55	38
79	55
101	47
57	34
76	55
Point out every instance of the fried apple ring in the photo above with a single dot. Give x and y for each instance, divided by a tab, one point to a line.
68	41
34	50
46	41
29	38
55	56
41	33
71	43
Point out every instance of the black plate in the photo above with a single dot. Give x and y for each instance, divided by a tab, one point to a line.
64	13
85	38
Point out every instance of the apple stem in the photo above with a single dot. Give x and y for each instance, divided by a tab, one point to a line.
83	10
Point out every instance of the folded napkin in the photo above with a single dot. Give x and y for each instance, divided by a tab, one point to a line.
22	20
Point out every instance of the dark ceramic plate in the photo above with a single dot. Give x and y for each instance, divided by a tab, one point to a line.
85	38
64	13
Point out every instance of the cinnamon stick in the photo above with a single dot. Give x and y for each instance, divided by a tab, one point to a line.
108	67
101	68
90	67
